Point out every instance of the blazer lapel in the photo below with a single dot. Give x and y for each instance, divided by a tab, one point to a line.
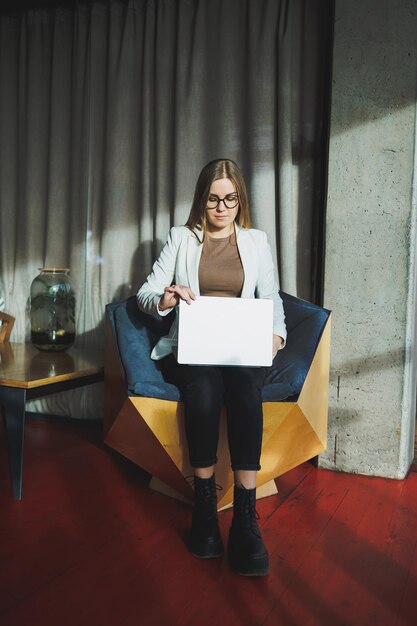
247	262
194	249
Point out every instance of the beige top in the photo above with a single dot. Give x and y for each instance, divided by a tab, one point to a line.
220	272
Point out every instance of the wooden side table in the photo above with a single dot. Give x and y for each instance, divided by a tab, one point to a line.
26	373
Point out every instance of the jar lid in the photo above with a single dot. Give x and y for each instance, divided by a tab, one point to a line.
54	269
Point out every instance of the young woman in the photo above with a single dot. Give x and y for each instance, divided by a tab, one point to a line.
218	253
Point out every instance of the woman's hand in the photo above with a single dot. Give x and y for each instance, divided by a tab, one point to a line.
175	293
277	341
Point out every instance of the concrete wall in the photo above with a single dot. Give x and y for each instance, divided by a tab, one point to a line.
370	276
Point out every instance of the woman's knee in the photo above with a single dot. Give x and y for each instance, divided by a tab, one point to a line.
245	380
206	387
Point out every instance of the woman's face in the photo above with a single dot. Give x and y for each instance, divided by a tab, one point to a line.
220	219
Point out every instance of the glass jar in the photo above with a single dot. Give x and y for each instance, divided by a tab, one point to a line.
52	310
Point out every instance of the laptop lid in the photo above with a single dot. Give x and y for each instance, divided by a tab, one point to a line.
225	331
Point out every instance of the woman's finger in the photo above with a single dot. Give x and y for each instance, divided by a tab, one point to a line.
185	293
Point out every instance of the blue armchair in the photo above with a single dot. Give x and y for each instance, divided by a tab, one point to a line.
144	414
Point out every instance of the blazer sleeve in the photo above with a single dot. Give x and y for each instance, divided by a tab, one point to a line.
161	276
267	287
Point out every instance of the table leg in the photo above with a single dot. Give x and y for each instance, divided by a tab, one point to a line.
13	401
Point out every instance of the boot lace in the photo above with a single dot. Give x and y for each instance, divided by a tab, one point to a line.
249	515
190	480
205	503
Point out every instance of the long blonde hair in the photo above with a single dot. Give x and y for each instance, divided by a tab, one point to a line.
219	168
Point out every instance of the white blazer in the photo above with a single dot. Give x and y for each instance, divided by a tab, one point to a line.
178	264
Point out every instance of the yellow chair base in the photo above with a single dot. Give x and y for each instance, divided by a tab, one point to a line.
151	433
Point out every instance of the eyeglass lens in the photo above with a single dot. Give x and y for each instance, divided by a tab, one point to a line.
230	201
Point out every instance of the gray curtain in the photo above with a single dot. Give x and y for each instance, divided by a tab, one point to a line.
109	111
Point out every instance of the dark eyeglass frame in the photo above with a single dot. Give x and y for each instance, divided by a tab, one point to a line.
226	202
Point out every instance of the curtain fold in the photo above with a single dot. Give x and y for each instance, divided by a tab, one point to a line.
109	111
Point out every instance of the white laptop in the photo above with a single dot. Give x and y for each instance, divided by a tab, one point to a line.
225	331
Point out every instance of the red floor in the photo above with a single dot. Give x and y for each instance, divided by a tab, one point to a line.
89	544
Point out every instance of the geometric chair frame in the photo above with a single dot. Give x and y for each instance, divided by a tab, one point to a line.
6	326
150	431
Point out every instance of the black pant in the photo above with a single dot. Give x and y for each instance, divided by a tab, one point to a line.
205	389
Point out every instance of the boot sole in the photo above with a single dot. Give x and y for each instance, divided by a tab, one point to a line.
256	568
202	551
212	555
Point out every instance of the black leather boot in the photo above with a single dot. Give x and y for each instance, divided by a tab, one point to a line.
205	540
247	552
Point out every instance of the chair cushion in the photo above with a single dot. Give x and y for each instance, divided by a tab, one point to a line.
305	324
137	333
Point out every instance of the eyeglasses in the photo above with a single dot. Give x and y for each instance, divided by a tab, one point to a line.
230	201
